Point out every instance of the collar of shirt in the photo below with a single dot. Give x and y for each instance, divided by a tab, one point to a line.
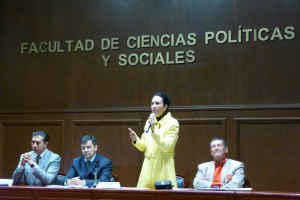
42	154
164	120
93	158
217	164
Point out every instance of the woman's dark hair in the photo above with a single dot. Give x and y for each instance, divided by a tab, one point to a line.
166	99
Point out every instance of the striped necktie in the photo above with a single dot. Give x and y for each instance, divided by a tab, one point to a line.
37	159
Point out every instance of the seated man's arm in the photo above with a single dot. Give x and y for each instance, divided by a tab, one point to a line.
106	173
72	173
236	178
201	181
18	173
48	176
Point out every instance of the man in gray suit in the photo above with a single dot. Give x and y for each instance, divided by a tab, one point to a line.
39	166
221	172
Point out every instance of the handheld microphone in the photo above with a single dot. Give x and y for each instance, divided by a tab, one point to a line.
148	125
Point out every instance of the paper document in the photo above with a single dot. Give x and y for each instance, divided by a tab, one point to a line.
111	185
6	182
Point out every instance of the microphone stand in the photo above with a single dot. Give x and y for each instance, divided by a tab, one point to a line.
95	178
95	174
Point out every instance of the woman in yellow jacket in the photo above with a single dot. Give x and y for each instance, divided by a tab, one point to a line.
158	144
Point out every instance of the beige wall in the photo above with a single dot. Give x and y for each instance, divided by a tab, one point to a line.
245	91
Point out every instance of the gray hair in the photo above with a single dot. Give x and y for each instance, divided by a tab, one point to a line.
218	138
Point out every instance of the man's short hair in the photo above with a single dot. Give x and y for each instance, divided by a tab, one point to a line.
43	134
87	138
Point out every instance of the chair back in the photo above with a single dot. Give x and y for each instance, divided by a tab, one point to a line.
247	183
182	181
114	178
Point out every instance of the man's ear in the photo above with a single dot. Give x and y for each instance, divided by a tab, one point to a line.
211	153
226	150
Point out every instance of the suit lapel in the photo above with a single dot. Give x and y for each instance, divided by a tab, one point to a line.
85	168
93	165
211	170
225	170
82	168
90	168
44	158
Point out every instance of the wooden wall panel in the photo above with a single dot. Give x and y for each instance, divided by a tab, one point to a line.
270	148
246	72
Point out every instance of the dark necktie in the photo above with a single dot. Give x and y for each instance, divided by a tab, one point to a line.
88	163
37	159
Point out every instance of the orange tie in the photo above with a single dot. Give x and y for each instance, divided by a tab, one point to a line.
217	173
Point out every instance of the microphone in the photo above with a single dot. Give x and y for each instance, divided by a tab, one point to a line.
148	125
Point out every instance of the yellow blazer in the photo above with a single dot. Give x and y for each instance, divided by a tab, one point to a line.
158	148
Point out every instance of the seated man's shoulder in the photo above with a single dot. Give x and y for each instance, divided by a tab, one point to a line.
205	164
78	159
104	158
52	154
235	162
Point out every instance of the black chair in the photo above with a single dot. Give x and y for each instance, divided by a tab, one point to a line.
182	181
247	183
114	178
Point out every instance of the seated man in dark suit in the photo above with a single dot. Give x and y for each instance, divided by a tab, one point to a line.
39	166
221	172
91	167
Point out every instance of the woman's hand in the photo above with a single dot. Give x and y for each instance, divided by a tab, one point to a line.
151	121
132	135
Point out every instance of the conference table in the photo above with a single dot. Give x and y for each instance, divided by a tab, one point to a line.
63	193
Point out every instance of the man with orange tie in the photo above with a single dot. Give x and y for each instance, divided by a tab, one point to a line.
222	172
